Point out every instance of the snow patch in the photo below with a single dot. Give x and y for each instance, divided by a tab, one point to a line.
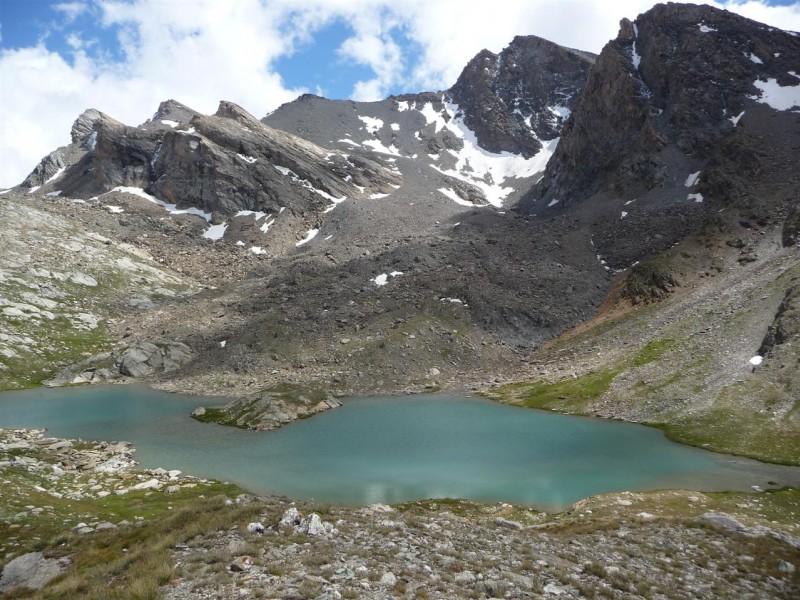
395	126
486	170
756	360
624	214
754	58
312	233
171	208
222	343
384	277
705	28
635	58
402	105
307	184
378	196
696	197
91	141
346	141
454	301
372	124
5	191
240	243
456	198
56	176
215	232
431	116
561	111
257	215
735	120
247	159
553	202
692	179
266	225
257	250
114	210
172	124
377	146
33	189
777	96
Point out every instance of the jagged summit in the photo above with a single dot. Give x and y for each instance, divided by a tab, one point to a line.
517	99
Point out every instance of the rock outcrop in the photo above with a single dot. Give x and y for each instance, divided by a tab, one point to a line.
145	359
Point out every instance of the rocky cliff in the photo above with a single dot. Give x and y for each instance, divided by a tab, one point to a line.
219	164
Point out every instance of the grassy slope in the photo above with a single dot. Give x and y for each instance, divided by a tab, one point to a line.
682	365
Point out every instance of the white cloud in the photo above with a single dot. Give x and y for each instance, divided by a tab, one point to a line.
70	10
203	51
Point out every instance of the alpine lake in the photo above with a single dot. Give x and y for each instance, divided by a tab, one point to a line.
394	449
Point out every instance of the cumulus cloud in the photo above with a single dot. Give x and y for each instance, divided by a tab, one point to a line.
203	51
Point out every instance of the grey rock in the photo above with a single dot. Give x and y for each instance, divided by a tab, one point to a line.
786	567
84	125
464	577
47	168
388	579
291	517
505	523
315	526
31	571
256	527
725	521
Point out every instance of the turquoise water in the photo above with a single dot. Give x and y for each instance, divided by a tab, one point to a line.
393	449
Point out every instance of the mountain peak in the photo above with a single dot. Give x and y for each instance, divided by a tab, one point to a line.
517	99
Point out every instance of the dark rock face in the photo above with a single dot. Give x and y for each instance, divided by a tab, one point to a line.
672	81
521	96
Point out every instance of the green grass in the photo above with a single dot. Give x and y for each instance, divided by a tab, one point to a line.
736	431
218	416
653	351
568	395
60	345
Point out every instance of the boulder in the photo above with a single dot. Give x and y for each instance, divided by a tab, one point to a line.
256	527
32	571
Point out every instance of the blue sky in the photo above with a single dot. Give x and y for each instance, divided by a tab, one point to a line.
123	57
